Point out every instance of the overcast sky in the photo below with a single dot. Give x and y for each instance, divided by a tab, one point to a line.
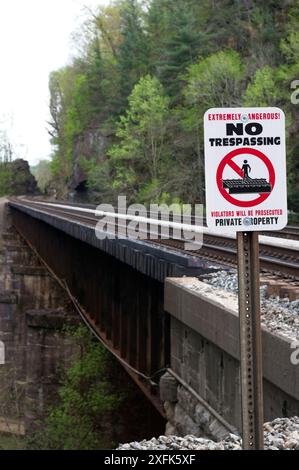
35	38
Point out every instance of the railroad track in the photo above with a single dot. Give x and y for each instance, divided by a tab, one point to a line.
291	232
279	259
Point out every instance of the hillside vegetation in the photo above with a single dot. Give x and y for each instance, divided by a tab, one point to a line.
127	113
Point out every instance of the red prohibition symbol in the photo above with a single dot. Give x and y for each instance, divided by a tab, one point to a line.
228	160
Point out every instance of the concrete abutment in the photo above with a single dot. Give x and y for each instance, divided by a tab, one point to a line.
201	392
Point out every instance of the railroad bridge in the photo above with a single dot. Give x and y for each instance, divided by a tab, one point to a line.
177	337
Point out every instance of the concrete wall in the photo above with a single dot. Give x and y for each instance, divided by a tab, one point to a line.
205	355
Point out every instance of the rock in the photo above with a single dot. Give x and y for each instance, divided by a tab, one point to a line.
23	182
183	423
201	416
276	442
186	400
290	444
267	427
280	434
234	438
168	388
170	429
169	410
125	446
217	430
94	142
293	441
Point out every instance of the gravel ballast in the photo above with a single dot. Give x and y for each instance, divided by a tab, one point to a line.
280	434
281	316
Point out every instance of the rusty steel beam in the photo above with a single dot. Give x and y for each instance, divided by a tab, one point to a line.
112	296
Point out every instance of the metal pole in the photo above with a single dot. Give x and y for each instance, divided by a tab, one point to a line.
250	340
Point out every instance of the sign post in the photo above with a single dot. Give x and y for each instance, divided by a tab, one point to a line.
245	167
250	340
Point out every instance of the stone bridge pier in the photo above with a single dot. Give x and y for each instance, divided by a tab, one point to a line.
33	345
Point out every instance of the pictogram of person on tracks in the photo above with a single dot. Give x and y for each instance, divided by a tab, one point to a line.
246	169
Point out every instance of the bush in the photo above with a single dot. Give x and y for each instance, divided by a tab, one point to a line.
86	396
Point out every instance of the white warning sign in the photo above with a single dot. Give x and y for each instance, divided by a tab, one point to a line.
245	168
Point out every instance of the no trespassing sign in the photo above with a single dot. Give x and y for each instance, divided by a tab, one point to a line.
245	168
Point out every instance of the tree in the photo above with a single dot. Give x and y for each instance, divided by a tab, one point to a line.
216	81
142	134
43	174
263	90
290	43
94	80
77	102
99	179
286	74
108	22
132	55
76	422
179	51
5	179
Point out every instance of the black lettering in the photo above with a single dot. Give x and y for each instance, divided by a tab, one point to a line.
253	128
234	128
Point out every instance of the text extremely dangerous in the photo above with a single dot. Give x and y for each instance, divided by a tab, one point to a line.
238	116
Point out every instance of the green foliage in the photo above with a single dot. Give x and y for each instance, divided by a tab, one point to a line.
149	70
5	179
99	178
142	134
290	43
179	51
263	90
215	81
77	100
77	421
133	50
43	174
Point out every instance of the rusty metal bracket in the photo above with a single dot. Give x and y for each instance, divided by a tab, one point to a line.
250	340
